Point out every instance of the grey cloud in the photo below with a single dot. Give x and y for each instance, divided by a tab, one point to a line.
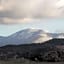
20	9
9	14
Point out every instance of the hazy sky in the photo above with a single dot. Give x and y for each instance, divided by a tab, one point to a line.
16	15
51	25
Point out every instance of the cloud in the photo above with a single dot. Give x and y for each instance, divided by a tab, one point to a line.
14	21
18	11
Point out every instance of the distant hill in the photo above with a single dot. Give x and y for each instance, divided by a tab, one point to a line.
55	42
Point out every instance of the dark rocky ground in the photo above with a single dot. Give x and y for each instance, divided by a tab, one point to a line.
25	61
50	51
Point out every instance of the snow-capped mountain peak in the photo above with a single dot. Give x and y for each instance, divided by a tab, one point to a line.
28	33
29	36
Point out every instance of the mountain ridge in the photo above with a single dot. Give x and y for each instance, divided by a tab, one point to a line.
28	36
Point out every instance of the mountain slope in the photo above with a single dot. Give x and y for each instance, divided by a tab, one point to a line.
25	36
28	36
55	42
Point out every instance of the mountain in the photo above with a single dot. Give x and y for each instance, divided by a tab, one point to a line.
25	36
28	36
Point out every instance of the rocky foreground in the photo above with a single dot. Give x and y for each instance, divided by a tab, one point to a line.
50	51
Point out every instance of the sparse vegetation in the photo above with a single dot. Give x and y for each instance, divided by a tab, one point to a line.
25	61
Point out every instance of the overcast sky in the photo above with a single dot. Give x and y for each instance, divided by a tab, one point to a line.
29	13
